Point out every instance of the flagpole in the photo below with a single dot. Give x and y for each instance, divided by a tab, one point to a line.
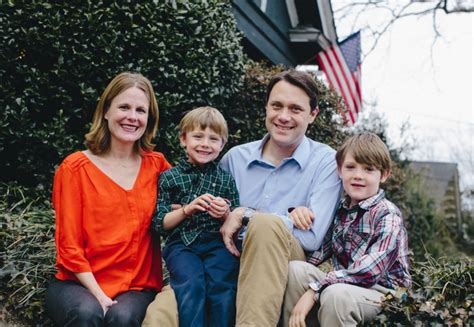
323	42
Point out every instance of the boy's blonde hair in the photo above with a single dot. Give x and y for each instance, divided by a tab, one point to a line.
368	149
202	118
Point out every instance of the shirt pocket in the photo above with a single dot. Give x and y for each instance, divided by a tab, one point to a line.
357	241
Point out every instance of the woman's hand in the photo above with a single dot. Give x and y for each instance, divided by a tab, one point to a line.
105	302
302	308
302	217
218	208
88	280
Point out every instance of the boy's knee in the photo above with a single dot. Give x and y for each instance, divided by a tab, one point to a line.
336	299
192	290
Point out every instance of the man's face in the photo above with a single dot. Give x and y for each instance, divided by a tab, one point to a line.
288	115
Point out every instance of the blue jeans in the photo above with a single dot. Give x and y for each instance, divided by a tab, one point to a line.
68	303
203	276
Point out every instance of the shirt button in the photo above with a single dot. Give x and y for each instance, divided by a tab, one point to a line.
266	196
213	184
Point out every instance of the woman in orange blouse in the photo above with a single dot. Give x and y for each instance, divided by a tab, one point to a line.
109	266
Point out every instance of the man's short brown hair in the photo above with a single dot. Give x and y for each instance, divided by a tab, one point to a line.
368	149
299	79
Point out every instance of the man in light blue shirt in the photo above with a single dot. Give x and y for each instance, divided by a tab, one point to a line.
289	189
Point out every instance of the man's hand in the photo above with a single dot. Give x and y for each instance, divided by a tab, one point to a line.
302	308
218	208
231	226
302	217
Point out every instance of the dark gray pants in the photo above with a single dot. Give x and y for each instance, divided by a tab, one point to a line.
68	303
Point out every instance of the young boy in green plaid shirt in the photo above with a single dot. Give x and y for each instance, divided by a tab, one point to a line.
203	273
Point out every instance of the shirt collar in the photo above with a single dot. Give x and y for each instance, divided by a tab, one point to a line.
300	155
186	166
367	203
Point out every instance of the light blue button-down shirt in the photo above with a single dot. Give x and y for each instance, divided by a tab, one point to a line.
308	178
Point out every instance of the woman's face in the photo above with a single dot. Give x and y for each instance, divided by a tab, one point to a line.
127	116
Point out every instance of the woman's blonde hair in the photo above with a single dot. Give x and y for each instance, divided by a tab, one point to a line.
98	138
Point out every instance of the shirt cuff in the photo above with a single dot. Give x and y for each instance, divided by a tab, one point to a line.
316	287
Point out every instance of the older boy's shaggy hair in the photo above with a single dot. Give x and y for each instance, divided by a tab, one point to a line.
368	149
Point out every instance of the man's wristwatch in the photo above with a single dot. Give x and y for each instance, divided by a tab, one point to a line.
248	214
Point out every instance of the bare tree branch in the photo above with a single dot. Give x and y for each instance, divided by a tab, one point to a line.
397	11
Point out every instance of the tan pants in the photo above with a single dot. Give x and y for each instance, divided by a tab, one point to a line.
339	304
268	247
163	311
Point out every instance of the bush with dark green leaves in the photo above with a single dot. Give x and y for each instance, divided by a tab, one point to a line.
442	295
57	57
27	250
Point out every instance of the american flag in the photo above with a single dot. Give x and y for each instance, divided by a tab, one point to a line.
341	64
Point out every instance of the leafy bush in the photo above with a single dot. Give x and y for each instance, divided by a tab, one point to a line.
442	295
27	250
57	57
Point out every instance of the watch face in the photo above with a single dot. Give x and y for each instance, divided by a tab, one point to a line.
248	214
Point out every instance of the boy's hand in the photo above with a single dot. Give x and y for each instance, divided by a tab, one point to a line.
302	217
302	308
201	203
218	208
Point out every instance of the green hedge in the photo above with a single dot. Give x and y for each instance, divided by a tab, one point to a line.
57	57
442	295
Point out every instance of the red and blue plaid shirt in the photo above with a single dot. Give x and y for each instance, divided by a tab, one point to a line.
368	244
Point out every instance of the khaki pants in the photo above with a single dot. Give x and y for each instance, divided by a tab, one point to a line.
163	311
339	304
268	247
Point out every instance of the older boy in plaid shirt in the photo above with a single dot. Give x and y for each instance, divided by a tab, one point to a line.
203	273
368	243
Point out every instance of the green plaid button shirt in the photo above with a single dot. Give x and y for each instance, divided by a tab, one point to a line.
181	185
